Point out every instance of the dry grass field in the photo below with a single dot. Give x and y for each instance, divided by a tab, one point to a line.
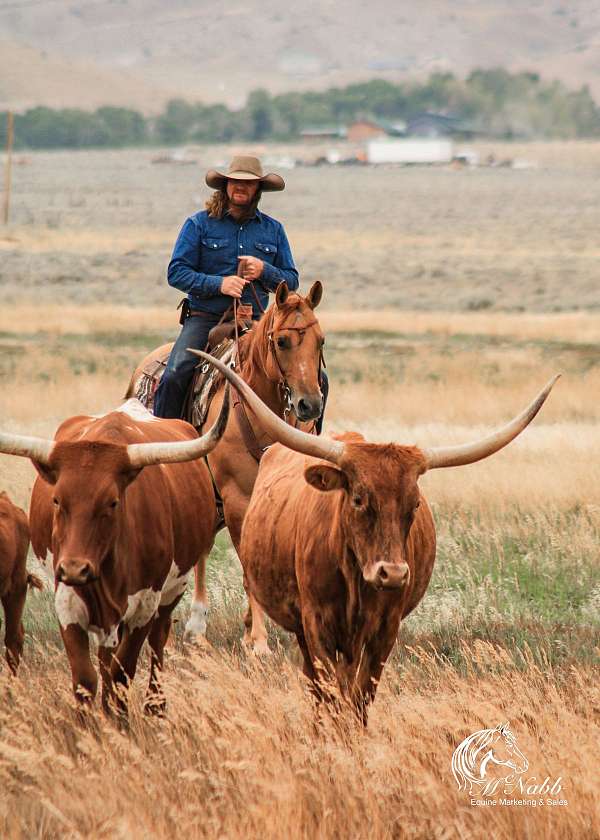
97	227
510	627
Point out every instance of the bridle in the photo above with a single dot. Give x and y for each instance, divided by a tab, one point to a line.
284	388
286	391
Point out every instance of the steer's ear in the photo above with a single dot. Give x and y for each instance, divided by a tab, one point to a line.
127	476
45	472
282	293
313	298
326	477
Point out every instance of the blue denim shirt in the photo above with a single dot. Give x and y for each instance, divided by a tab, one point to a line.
207	250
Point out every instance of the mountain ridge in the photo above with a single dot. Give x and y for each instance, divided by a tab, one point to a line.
140	53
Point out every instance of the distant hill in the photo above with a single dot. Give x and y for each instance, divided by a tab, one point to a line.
140	53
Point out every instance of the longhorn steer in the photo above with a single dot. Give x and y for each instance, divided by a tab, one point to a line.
339	547
14	542
125	522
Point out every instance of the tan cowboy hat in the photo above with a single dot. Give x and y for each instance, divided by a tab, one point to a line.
245	168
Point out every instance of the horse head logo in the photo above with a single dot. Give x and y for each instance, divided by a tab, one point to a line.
486	756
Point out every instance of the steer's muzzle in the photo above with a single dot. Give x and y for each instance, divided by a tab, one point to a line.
383	575
308	407
75	572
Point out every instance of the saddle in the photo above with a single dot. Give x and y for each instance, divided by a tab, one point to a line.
205	380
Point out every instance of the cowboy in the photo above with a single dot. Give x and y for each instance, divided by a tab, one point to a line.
204	264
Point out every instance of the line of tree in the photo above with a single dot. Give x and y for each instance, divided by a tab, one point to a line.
491	102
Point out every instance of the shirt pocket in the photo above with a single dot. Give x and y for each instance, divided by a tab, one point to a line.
212	244
267	251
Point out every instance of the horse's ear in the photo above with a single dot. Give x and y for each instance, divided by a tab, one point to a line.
313	298
282	293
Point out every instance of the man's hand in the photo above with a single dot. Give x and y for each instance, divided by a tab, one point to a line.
233	286
250	268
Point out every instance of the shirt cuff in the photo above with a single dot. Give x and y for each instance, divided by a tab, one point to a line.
271	276
212	285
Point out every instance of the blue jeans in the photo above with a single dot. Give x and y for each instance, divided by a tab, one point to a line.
170	394
173	387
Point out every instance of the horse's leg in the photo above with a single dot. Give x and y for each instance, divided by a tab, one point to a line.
255	633
196	623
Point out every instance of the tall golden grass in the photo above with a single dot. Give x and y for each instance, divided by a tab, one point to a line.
240	755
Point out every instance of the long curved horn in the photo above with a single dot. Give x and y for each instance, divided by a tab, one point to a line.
468	453
276	428
38	449
173	452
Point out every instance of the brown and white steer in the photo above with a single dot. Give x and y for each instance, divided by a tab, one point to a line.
14	542
339	547
126	509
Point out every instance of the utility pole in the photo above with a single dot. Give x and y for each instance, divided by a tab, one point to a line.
8	168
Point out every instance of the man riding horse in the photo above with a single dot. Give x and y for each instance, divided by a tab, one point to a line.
229	252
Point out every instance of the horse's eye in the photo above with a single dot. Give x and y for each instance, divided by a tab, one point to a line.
55	502
283	342
114	503
322	342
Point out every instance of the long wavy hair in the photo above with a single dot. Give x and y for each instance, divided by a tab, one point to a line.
218	203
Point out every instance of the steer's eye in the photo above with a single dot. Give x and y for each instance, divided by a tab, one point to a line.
358	501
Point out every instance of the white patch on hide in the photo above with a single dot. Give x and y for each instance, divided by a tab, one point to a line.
141	608
110	639
70	609
196	623
134	409
173	586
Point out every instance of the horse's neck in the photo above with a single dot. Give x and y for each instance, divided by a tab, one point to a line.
253	372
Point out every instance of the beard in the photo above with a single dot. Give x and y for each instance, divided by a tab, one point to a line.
248	207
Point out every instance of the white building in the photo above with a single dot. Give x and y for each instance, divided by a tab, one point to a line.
410	150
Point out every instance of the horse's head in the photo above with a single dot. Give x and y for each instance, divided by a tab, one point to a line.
294	349
505	750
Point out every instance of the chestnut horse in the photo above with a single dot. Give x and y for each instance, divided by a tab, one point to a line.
280	359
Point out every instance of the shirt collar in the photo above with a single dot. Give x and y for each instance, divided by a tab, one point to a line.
257	216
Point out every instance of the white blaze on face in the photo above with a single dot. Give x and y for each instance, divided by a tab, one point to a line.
70	609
